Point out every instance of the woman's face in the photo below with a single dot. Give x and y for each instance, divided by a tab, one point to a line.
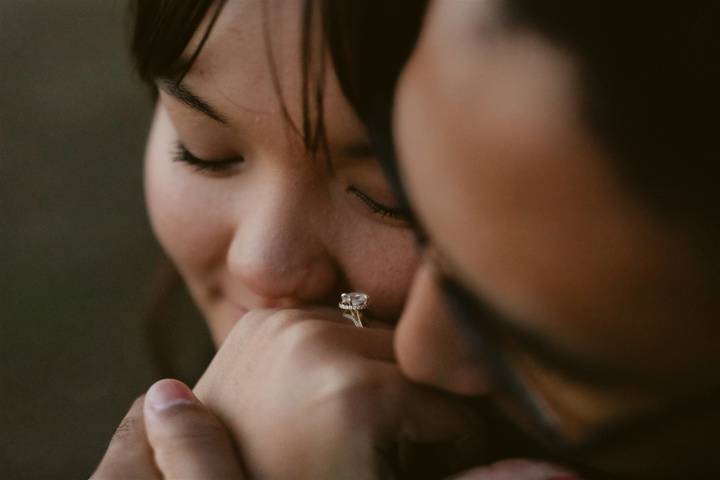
519	201
262	223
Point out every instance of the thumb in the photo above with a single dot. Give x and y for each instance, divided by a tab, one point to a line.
188	441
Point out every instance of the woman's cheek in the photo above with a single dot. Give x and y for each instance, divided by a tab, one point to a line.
382	263
182	207
189	224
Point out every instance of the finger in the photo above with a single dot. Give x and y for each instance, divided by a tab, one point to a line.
437	433
129	454
518	469
188	441
383	396
316	326
370	343
336	315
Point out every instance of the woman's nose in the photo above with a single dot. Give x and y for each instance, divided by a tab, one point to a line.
429	344
277	252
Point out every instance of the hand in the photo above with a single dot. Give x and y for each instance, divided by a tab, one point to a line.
169	434
309	396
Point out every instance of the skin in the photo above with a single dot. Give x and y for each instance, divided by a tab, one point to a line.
521	206
537	226
278	229
169	433
327	401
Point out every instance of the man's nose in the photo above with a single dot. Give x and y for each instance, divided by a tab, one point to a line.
429	344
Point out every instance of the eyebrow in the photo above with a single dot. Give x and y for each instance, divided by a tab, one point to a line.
356	150
183	94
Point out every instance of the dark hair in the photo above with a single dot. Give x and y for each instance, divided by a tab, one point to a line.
160	33
649	76
369	43
162	30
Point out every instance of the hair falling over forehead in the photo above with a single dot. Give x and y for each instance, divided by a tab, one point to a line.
368	42
163	29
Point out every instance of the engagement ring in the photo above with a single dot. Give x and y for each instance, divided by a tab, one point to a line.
352	305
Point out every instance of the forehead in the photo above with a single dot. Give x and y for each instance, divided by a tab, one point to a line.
248	40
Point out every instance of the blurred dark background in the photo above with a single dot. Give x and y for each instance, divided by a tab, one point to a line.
77	258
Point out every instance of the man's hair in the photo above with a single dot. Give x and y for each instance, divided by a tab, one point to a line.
649	72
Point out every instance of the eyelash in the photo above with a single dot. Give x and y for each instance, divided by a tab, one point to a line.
378	208
182	154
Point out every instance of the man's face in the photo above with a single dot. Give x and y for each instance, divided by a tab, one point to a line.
520	204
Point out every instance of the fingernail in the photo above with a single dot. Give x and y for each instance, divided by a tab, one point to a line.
167	393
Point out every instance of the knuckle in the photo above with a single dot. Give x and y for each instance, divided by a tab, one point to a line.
302	336
362	385
202	438
286	318
351	387
126	429
271	323
131	424
191	424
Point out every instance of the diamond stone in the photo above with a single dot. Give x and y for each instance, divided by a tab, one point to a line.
354	301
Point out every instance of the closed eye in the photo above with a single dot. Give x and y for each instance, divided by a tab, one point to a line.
182	154
377	207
